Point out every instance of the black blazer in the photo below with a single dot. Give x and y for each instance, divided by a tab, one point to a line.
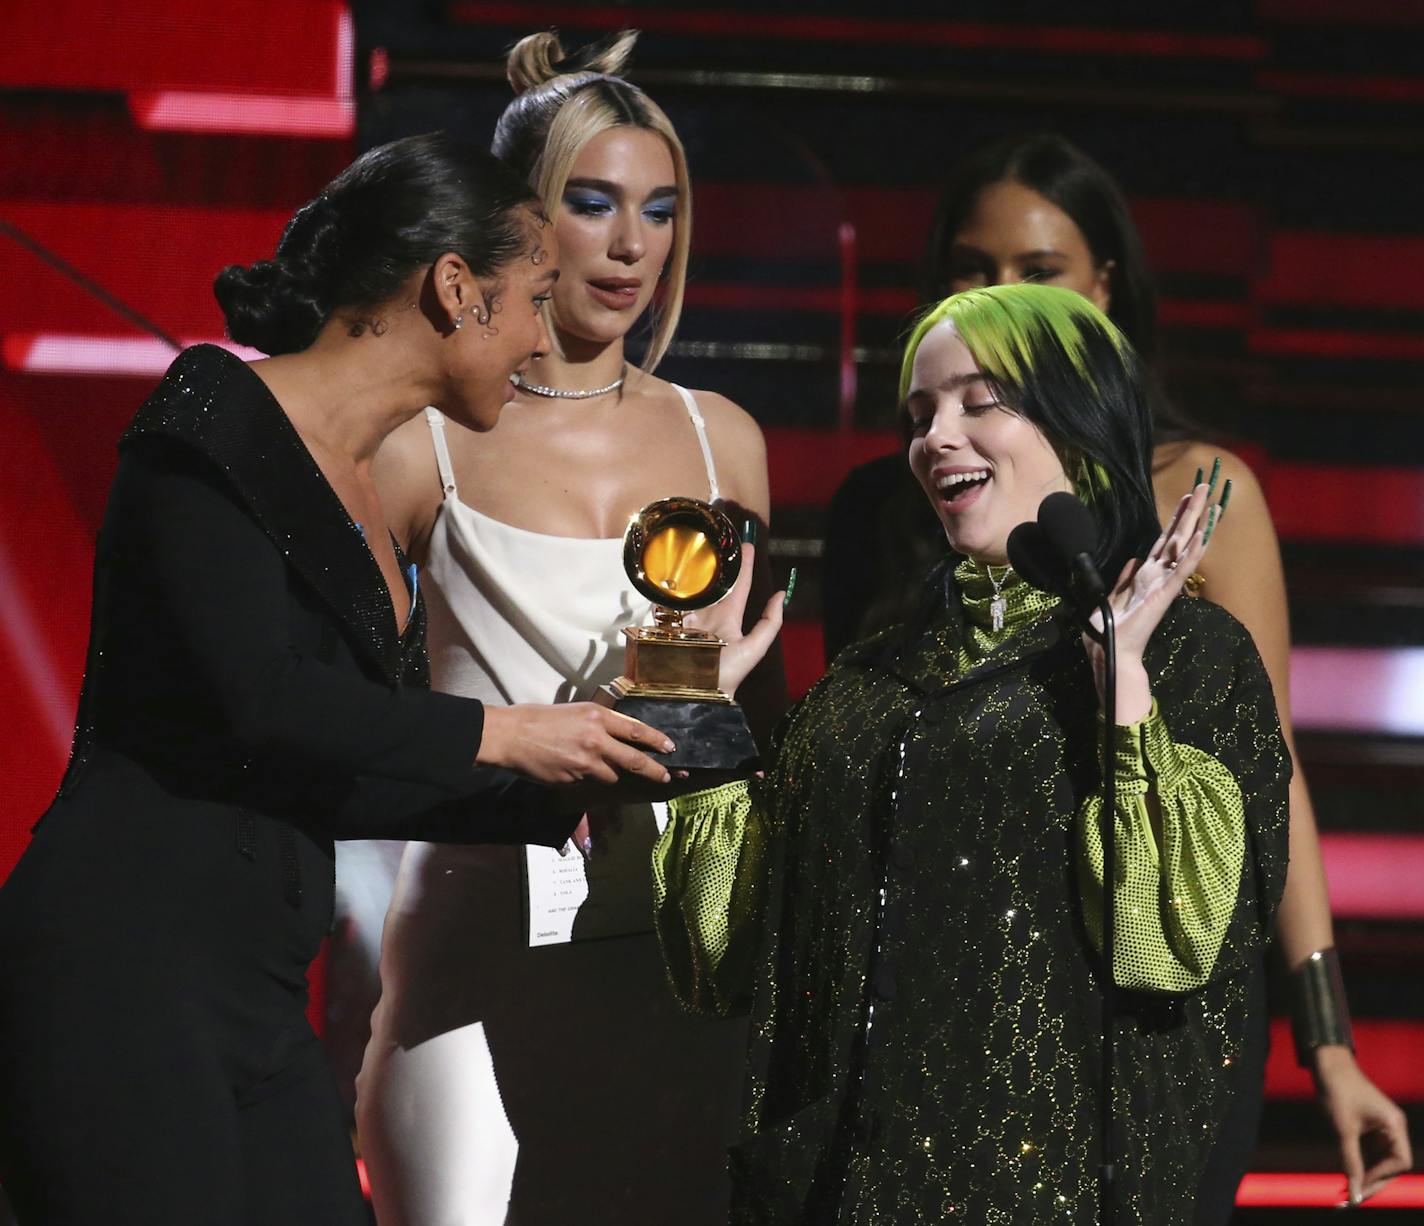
243	647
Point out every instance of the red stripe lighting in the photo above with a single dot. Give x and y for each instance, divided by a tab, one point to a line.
1333	86
1388	1051
859	30
1376	876
60	354
1328	343
191	110
803	649
1321	502
1376	690
806	465
178	110
1320	1190
1203	313
263	46
1337	269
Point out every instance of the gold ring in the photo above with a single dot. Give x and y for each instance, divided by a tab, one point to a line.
1195	582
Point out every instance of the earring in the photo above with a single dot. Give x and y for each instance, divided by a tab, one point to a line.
459	320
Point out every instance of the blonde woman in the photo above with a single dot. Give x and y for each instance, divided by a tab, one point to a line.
520	1069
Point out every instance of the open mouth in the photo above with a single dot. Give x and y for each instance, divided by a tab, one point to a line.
959	490
618	293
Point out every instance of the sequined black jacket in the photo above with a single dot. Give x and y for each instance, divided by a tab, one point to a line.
243	648
935	893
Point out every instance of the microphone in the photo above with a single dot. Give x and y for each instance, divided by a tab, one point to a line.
1071	534
1034	562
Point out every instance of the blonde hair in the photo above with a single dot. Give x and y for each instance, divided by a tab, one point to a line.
561	103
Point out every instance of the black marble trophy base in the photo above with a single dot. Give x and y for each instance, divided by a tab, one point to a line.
710	736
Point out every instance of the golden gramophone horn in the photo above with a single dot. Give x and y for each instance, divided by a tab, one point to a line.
682	554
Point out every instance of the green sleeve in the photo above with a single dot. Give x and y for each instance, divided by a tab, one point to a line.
709	888
1173	901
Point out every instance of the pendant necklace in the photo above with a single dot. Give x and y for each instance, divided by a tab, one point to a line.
998	606
558	393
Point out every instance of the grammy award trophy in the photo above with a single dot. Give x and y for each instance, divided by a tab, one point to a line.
682	554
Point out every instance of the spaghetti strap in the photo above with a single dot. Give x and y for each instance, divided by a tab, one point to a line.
442	451
696	414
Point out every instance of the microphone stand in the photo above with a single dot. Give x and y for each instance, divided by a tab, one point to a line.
1107	1173
1050	555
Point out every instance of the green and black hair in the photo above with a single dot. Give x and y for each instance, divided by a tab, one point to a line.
1051	356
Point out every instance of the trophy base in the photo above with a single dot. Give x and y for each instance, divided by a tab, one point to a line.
710	736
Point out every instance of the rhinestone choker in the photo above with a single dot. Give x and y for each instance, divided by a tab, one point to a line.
559	393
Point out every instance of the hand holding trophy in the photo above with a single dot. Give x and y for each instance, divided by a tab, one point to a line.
684	555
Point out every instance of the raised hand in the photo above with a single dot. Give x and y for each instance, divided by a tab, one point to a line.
743	652
571	743
1147	586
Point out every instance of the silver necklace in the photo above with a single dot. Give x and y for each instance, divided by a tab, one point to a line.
998	606
559	393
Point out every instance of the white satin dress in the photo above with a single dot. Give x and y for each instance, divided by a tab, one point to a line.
515	1085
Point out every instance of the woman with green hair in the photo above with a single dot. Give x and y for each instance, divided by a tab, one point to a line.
909	902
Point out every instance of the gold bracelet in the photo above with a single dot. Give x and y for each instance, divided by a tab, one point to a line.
1320	1015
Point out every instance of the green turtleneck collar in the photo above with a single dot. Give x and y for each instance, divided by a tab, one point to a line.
1022	603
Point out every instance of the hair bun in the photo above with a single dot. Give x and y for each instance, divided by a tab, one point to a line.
279	305
270	305
537	59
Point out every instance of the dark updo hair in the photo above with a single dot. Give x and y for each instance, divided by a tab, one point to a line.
1067	177
396	208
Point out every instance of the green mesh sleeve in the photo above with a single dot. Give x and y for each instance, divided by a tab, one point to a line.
709	888
1173	902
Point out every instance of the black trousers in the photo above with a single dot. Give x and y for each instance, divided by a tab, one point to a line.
183	1150
156	1066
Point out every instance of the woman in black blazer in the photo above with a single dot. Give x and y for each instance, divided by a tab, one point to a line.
257	687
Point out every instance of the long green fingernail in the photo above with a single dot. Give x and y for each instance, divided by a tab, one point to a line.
1215	473
1225	496
1197	480
1210	525
749	530
790	588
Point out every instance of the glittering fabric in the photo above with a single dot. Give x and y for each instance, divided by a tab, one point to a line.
924	995
269	466
1178	868
709	883
211	402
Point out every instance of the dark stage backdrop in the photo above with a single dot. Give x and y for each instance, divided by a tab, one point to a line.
1272	150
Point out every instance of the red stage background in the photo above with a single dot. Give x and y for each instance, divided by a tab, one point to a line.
1271	151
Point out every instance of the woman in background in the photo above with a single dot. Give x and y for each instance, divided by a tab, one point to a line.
520	1069
1037	209
257	687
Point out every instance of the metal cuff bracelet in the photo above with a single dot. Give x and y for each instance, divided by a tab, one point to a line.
1320	1015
